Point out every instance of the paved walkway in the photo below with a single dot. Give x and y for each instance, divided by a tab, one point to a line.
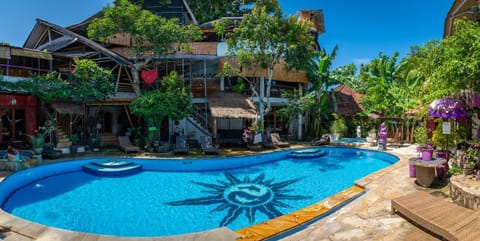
366	218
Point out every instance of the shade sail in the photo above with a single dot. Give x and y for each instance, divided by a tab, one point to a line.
448	108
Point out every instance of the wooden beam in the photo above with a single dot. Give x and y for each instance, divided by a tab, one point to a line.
128	116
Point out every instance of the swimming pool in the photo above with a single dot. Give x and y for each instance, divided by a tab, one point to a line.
183	195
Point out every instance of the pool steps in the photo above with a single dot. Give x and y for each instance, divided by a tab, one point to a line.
290	221
112	168
306	153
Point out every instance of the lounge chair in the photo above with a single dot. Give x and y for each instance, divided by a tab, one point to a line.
443	218
325	140
207	145
181	146
267	142
126	145
277	141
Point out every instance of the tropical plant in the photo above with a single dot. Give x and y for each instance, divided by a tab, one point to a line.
454	169
441	140
172	100
208	10
379	77
420	135
450	66
295	106
322	79
74	138
338	125
265	37
87	81
37	140
148	32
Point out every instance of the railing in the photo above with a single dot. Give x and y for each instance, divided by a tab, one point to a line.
19	71
201	120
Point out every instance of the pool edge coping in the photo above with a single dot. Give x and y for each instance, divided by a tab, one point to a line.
296	219
39	231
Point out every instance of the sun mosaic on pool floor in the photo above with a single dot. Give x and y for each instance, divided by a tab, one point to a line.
245	196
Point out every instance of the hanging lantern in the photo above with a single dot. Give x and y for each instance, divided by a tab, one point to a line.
149	76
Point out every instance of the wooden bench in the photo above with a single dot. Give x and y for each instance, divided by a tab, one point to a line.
439	216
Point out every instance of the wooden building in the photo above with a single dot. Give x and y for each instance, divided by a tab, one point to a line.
18	110
199	69
469	9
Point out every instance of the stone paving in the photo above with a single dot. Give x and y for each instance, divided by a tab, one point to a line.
366	218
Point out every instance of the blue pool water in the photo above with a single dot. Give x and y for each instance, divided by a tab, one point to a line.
168	198
352	140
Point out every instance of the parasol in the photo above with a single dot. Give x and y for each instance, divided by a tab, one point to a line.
448	108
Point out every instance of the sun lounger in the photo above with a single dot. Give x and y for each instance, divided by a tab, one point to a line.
181	146
325	140
277	141
267	142
207	145
441	217
126	145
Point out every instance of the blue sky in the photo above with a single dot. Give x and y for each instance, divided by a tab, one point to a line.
362	29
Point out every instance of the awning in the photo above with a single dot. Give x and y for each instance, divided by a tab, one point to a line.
69	108
231	105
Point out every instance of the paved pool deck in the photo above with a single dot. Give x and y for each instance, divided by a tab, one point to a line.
368	217
365	218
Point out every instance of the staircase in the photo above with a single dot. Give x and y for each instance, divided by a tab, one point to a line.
108	139
63	140
198	119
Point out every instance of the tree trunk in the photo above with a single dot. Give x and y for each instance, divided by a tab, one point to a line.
136	68
135	80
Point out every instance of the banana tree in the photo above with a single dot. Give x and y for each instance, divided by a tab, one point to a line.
322	80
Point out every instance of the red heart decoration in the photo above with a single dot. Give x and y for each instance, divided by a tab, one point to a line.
149	76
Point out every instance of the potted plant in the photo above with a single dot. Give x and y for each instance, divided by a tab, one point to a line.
469	167
74	146
248	136
424	147
443	142
338	128
38	142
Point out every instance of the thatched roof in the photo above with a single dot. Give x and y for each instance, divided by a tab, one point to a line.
68	108
231	105
348	100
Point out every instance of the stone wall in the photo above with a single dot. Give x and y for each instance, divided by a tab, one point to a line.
465	191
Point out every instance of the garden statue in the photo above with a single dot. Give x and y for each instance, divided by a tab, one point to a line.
359	132
382	137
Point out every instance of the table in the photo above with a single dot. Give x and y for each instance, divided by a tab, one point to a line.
426	170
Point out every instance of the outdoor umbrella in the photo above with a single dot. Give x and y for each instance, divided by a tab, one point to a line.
448	108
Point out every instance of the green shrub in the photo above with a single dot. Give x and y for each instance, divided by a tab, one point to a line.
339	125
421	135
440	140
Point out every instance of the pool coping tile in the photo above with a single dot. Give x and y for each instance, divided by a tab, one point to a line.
300	217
